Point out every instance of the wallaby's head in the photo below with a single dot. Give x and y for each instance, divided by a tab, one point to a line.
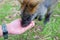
28	9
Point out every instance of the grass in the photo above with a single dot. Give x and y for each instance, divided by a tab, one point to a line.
51	31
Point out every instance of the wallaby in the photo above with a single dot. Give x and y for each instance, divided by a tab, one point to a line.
31	9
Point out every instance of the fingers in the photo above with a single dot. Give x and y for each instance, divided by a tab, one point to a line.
23	29
30	26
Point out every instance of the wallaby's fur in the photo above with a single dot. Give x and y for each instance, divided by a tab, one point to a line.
32	9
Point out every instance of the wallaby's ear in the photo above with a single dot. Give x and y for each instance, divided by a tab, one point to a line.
23	1
20	1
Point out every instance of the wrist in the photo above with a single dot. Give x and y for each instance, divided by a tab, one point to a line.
5	31
1	32
8	29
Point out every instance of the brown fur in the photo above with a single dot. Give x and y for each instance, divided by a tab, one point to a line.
32	5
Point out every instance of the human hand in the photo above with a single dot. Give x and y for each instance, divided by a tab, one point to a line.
15	27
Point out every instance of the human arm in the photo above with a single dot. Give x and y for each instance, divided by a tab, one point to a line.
15	27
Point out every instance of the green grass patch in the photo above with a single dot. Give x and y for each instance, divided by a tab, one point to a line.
49	32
